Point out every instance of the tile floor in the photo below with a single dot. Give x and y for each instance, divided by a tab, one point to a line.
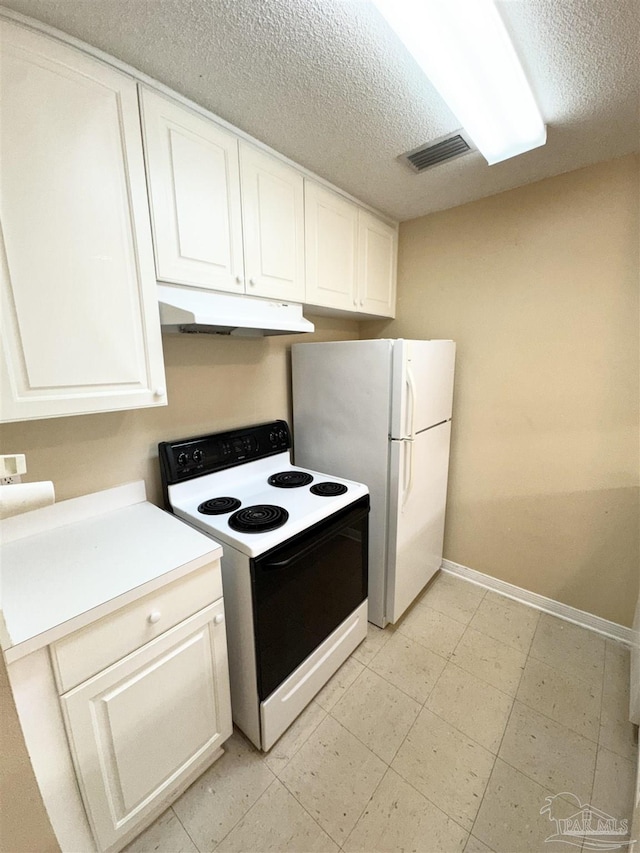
445	733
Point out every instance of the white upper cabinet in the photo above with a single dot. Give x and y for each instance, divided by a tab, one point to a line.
377	263
79	315
350	255
331	237
194	191
273	223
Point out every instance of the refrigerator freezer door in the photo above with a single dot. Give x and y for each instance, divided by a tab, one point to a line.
341	410
422	385
419	472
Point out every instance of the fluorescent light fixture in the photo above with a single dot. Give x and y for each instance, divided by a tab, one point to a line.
464	49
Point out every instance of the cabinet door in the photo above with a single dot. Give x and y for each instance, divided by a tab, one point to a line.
273	223
194	189
377	261
137	728
331	235
80	324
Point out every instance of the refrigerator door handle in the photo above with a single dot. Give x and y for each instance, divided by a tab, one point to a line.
411	399
407	479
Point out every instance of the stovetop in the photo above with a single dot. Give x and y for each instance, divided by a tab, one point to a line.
217	492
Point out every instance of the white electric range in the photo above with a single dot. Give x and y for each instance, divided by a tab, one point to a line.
294	565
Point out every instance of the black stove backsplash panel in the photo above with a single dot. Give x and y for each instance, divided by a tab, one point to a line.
187	458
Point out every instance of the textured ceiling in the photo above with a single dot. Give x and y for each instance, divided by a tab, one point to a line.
327	84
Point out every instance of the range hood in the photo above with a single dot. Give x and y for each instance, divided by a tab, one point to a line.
192	310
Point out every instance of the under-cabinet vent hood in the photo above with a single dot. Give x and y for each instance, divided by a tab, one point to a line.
191	310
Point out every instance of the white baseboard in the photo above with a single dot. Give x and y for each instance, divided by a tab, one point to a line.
541	602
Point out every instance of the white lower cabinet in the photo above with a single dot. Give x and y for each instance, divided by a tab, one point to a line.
140	728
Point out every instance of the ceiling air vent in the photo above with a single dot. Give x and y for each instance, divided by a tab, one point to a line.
435	153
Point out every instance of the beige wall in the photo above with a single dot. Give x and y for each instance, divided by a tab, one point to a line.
24	823
213	383
539	287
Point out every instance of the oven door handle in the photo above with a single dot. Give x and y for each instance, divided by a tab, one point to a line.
312	546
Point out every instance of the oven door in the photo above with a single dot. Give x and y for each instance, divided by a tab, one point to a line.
305	588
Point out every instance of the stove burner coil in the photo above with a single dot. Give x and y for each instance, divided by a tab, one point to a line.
218	506
258	518
328	490
290	479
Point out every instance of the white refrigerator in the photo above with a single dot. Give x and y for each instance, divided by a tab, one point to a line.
379	412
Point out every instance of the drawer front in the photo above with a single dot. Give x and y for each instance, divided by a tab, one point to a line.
90	650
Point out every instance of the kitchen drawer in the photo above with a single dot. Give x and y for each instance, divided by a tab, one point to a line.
90	650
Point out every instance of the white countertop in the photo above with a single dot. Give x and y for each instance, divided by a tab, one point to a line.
66	565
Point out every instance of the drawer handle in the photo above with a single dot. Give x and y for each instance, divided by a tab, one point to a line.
154	617
219	619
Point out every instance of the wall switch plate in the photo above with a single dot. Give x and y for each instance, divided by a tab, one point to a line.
11	466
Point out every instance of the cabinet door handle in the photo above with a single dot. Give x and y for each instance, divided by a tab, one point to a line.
252	282
238	280
154	617
219	619
159	392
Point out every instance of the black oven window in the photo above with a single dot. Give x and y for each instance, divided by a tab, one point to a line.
305	589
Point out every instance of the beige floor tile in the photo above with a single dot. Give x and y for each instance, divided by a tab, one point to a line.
410	666
445	766
453	596
617	666
333	776
474	845
506	620
377	713
570	648
224	793
338	684
616	732
398	818
375	640
492	661
509	820
277	822
284	749
614	784
166	834
471	705
553	755
562	697
437	632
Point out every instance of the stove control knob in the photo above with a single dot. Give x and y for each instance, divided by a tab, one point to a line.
182	459
282	435
197	456
273	437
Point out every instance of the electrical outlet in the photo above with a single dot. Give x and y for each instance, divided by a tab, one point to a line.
11	467
10	481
